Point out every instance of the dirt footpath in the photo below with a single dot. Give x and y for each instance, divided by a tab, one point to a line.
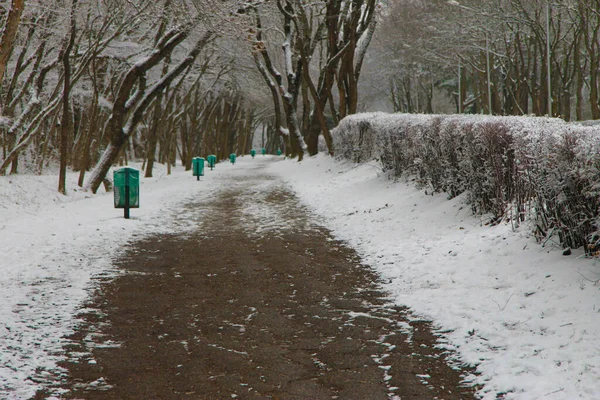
259	302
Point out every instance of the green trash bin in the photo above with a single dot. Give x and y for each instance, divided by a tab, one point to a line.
198	167
278	152
232	158
263	151
212	160
126	189
252	153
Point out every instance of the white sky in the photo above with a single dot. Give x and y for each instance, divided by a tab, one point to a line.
527	316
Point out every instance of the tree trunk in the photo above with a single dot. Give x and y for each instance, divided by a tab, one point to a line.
579	82
10	33
152	138
66	117
121	124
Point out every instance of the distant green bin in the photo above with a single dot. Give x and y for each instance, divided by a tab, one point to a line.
126	188
212	160
278	152
232	158
198	167
263	151
252	153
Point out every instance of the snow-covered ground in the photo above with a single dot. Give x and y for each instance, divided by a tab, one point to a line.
525	315
55	248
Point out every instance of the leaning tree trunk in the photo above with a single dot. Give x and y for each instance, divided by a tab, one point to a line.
7	40
9	33
121	124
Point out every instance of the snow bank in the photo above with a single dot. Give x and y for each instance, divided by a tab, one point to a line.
511	167
523	314
57	249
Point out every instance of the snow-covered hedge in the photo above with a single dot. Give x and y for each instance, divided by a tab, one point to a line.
508	166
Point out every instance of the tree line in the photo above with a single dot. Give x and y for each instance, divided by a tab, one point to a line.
501	57
86	85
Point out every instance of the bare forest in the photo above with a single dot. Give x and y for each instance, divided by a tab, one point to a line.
500	57
86	85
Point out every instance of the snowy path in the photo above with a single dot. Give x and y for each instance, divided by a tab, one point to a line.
524	315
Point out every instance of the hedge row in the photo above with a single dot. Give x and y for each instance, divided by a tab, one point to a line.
512	167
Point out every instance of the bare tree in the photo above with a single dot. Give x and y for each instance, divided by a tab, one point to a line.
9	33
66	125
129	106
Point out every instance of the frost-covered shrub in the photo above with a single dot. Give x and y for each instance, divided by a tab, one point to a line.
508	166
355	139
